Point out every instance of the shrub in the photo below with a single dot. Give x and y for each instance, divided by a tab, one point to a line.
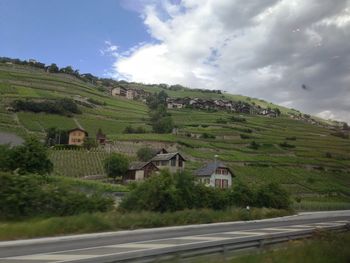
244	136
138	130
273	196
63	106
145	154
237	119
286	145
31	157
254	145
33	195
328	155
293	138
116	165
241	195
207	136
221	121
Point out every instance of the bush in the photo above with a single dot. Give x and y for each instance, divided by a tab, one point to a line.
237	119
31	157
207	136
244	136
63	106
221	121
286	145
130	130
32	195
241	195
116	165
254	145
293	138
273	196
145	154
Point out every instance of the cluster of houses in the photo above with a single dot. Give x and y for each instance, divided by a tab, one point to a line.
214	174
219	104
128	93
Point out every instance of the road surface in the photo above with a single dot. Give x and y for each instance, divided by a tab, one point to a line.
121	245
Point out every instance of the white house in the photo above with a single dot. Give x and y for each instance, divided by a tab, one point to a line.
215	174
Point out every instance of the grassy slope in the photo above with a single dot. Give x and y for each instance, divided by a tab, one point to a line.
304	170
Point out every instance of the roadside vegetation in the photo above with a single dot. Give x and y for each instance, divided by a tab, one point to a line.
322	248
114	220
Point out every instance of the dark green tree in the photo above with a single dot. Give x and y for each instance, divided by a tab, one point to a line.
53	68
31	157
116	165
145	154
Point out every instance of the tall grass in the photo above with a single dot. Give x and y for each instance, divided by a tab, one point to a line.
320	206
323	248
97	222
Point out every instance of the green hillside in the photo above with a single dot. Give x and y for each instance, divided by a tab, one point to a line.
305	158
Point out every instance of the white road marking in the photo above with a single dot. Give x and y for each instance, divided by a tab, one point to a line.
205	238
146	245
246	233
52	257
141	245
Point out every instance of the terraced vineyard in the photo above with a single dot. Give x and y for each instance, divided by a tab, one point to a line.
78	163
307	159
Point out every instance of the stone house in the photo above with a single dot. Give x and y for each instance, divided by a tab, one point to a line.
118	91
174	162
139	171
77	136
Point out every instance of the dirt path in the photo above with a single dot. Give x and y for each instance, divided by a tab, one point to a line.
78	124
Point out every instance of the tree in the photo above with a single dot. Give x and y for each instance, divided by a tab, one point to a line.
278	112
116	165
90	143
31	157
53	68
4	157
145	154
55	136
68	70
273	196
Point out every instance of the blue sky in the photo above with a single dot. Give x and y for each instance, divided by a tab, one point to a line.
69	32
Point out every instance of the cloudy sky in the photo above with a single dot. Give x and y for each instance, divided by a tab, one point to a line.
292	52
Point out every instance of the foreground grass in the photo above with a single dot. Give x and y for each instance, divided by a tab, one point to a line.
111	221
323	248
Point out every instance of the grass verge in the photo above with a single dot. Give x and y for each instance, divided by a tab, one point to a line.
324	247
98	222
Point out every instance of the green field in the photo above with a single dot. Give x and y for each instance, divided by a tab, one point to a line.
316	166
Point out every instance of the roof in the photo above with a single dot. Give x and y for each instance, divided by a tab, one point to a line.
210	168
166	156
78	129
138	165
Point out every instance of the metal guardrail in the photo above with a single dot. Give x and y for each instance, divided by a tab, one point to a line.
186	251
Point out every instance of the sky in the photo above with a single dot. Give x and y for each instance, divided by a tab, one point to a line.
295	53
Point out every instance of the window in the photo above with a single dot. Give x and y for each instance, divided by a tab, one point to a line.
224	183
157	163
218	183
173	162
180	162
164	163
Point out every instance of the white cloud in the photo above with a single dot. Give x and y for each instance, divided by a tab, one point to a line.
262	48
109	49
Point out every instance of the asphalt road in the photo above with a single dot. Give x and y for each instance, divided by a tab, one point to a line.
102	246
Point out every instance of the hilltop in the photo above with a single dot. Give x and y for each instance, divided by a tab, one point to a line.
310	158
